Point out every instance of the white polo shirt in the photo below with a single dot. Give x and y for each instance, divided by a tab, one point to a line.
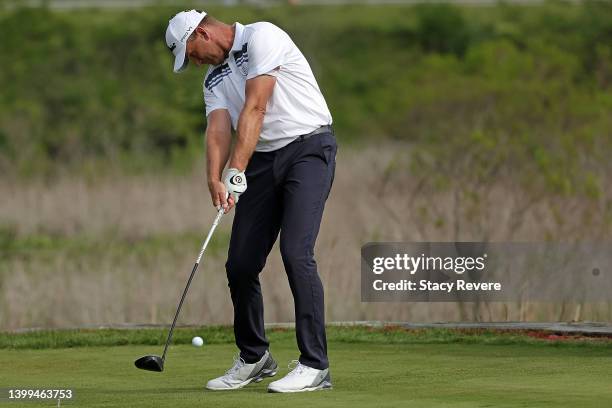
296	106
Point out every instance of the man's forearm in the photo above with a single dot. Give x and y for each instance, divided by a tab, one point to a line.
217	153
249	128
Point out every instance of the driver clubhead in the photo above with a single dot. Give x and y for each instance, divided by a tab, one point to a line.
150	363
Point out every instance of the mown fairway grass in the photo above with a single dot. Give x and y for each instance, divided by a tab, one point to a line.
369	368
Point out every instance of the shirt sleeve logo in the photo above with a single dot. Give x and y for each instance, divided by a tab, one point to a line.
242	59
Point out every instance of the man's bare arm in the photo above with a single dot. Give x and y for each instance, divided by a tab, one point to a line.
258	92
218	143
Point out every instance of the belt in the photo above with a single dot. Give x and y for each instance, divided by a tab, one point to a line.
322	129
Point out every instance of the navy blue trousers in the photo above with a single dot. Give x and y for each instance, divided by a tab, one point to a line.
286	191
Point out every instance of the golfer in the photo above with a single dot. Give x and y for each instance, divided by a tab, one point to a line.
279	174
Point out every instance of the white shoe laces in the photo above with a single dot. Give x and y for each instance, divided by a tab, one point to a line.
238	364
296	367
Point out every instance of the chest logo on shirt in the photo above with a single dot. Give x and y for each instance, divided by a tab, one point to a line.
242	59
216	76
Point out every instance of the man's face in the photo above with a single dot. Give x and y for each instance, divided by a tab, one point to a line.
202	48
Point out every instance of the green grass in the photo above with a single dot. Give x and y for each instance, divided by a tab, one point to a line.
43	339
364	373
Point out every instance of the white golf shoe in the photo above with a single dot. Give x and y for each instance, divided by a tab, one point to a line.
242	373
302	378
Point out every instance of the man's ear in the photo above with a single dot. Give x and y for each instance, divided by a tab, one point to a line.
203	32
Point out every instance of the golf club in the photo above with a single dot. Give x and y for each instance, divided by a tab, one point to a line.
156	363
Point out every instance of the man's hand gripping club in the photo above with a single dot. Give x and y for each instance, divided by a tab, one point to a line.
235	184
226	194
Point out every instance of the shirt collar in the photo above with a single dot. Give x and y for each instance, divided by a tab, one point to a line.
237	45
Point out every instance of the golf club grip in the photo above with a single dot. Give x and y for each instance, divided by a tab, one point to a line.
193	271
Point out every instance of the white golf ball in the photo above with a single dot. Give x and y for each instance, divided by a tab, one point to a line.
197	341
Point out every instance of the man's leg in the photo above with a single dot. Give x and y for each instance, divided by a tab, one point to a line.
307	181
255	229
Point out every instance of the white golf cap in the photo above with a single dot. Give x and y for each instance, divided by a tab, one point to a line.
179	29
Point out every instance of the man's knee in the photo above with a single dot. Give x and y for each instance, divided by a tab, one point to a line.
240	269
294	257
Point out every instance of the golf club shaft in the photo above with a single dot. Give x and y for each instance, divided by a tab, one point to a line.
193	271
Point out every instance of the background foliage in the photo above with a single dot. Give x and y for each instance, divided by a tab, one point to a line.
482	91
488	123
